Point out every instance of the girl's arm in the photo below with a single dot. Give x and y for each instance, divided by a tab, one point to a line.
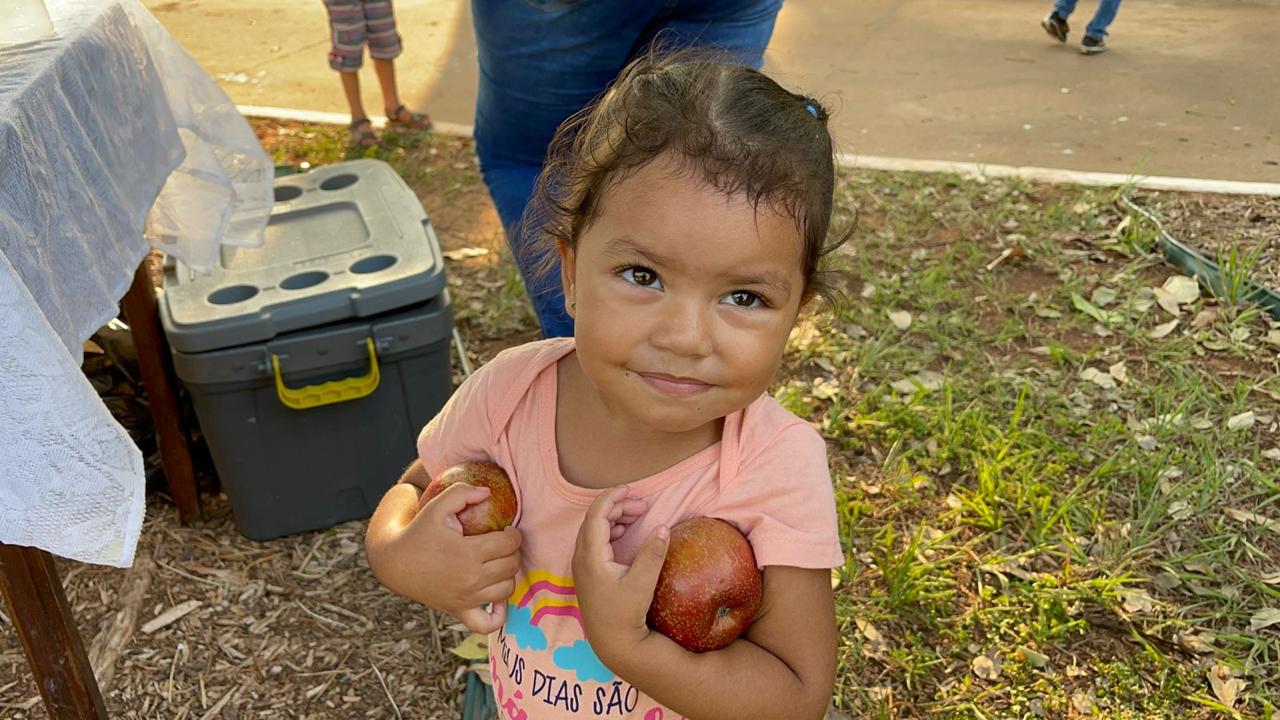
784	667
425	557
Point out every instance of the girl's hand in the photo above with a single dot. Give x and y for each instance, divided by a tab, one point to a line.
613	598
425	557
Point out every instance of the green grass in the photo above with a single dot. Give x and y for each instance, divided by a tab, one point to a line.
1053	487
1019	504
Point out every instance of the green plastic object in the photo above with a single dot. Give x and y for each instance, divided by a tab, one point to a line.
1196	265
288	169
479	703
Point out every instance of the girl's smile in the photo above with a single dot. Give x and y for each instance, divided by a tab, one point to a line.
677	386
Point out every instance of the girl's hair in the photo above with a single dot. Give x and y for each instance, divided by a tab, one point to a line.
734	126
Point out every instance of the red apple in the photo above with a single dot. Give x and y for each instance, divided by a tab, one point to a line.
709	590
494	512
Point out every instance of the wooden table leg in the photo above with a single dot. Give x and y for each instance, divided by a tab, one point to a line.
160	384
29	582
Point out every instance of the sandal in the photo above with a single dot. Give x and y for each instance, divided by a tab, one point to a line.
404	120
362	133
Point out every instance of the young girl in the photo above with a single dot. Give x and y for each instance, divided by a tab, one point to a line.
689	207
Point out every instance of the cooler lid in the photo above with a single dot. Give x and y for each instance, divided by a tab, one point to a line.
348	240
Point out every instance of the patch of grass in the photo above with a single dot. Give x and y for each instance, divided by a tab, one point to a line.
1066	485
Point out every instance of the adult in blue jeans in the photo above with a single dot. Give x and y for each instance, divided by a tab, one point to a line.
543	60
1094	42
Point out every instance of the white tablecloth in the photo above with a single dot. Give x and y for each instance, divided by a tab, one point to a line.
112	140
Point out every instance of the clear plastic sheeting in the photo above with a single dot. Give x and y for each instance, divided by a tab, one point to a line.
109	133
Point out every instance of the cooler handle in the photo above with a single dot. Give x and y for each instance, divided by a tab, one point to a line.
328	393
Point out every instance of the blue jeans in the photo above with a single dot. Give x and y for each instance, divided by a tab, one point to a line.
543	60
1101	19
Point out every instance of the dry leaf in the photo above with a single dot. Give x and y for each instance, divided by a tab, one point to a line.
1271	453
1182	289
1264	618
926	380
474	647
901	319
1097	377
466	252
1137	601
1243	421
1180	510
1167	301
1165	581
1205	317
1031	657
1162	329
876	644
1225	687
1247	517
871	632
1119	372
1271	578
1193	643
1083	702
985	668
1102	296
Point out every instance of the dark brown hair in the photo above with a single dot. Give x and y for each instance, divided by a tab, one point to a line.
736	127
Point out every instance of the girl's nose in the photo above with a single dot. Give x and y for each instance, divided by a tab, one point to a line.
683	328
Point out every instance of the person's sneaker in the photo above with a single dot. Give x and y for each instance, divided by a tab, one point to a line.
1056	27
1093	46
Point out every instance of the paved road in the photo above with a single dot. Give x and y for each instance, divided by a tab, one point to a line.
1189	89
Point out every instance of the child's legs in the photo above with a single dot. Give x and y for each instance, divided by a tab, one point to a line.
540	62
742	27
347	31
1064	8
384	47
351	88
1102	18
386	71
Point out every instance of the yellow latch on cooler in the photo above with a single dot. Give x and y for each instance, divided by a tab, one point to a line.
328	393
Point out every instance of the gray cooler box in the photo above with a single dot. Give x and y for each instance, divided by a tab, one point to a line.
314	360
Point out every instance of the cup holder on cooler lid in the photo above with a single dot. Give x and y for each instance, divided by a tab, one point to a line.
232	294
373	264
304	280
338	182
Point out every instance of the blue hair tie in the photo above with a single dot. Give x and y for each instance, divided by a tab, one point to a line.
812	110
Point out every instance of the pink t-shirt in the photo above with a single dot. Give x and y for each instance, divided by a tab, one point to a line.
768	476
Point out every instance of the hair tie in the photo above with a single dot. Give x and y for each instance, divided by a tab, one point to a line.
812	110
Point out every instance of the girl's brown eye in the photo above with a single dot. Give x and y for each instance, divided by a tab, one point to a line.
641	276
742	298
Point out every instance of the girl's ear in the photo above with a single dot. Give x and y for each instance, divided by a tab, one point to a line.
568	277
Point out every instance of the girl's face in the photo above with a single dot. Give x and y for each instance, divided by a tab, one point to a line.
685	298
